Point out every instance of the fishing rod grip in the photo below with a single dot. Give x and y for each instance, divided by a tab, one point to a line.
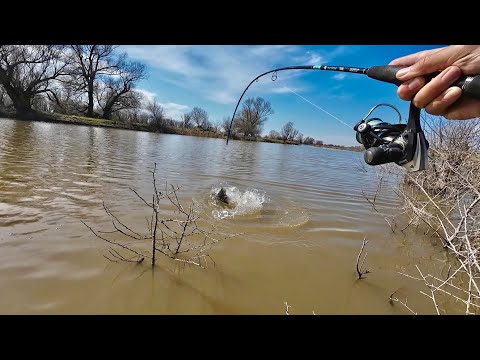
470	85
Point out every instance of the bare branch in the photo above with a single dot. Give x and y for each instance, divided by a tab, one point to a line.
287	308
404	303
140	197
179	237
114	242
360	270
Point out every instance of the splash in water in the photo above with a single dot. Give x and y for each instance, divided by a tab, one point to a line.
247	202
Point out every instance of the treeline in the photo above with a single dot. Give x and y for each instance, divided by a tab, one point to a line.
291	135
96	81
89	80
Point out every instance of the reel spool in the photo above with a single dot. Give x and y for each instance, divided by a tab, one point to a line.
373	132
404	144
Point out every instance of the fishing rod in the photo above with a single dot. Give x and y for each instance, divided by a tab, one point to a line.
404	144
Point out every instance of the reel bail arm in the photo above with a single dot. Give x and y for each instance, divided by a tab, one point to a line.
402	144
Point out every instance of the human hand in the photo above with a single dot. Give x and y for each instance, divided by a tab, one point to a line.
438	96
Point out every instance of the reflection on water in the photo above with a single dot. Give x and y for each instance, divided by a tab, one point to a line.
300	209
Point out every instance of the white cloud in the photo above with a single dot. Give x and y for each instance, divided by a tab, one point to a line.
223	97
309	58
315	59
267	50
339	76
173	110
221	73
148	95
286	89
339	50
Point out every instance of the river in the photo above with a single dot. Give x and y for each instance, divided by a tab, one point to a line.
300	214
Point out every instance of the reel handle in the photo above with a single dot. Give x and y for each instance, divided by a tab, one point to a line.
470	84
383	154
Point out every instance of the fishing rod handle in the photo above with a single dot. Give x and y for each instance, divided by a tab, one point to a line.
470	84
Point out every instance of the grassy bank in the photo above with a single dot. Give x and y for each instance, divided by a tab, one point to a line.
71	119
340	147
83	120
327	146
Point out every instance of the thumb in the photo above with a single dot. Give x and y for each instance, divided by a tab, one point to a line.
430	63
411	59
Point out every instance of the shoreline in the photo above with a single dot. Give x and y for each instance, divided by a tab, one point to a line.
42	116
72	120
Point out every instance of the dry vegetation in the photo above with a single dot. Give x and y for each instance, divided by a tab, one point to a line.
444	202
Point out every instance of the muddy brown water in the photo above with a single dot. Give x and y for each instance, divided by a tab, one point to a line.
303	223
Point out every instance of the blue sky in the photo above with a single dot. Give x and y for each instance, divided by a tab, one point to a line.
213	77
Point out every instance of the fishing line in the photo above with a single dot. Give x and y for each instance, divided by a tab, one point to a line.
470	85
403	144
318	107
300	67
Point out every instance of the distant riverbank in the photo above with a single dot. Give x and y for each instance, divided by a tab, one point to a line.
83	120
71	119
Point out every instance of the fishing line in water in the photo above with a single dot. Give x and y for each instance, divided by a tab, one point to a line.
318	107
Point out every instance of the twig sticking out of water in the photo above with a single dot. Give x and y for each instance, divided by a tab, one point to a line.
360	267
287	307
372	202
404	303
183	237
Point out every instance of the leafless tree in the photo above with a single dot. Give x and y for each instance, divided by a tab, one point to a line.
41	102
131	116
186	120
288	132
309	140
143	118
4	98
183	236
249	122
274	134
65	100
117	91
208	125
216	126
226	124
172	123
299	138
199	117
156	115
29	70
155	110
91	62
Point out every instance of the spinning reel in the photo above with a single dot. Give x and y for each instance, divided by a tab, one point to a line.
403	144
